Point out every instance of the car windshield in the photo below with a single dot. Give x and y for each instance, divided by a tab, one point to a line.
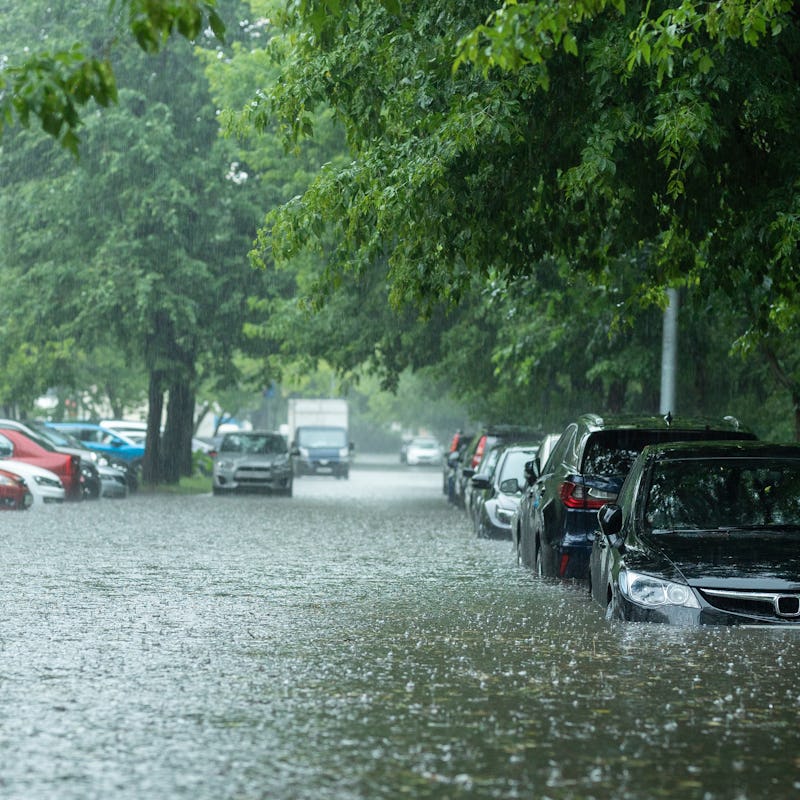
726	495
252	443
321	437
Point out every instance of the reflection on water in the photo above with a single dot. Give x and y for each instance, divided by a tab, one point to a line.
356	641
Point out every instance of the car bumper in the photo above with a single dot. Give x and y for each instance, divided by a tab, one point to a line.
251	480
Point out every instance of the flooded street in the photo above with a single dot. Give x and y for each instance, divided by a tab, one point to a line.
356	641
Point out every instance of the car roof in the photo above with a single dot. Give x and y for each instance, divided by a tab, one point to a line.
682	451
596	422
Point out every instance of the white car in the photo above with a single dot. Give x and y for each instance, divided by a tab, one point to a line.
45	486
423	450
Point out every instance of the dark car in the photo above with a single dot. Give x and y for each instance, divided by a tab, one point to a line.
496	495
450	464
253	461
703	534
557	516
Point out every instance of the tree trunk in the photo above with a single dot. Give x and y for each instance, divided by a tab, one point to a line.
177	454
151	464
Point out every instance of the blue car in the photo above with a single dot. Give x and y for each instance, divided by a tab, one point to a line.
96	437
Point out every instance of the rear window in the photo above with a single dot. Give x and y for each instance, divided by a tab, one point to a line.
612	453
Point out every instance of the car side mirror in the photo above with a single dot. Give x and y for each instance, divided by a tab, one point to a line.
510	486
610	520
531	470
480	481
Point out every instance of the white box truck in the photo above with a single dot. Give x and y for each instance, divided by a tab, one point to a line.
318	436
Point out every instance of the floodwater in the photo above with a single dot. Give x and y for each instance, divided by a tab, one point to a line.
356	641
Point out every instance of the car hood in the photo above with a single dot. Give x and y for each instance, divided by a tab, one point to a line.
766	560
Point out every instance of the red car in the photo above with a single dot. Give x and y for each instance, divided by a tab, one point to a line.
14	494
14	444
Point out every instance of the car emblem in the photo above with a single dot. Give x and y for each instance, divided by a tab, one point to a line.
787	605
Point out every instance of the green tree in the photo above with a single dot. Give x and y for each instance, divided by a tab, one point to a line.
159	265
640	145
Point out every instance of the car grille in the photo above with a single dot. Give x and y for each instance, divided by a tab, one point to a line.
252	475
767	606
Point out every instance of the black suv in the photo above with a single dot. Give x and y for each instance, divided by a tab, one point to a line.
557	516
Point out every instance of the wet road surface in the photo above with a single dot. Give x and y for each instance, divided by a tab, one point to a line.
356	641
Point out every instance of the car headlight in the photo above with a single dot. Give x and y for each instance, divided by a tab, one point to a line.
303	451
645	590
42	480
223	464
344	452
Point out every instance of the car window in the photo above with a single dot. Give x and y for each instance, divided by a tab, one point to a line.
609	456
232	443
6	447
715	494
514	464
559	451
321	437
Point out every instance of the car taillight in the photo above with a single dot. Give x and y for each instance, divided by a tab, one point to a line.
476	459
576	495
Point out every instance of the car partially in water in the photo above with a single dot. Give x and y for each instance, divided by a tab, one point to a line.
15	444
14	492
557	516
45	486
496	493
704	533
249	461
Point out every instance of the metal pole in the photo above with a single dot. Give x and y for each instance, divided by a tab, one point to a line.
669	353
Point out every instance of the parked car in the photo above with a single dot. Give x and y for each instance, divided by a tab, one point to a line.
703	534
424	451
135	430
51	440
114	477
480	444
558	512
14	492
451	461
253	460
497	495
45	486
103	440
16	445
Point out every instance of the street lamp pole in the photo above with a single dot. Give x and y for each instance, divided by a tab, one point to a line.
669	352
